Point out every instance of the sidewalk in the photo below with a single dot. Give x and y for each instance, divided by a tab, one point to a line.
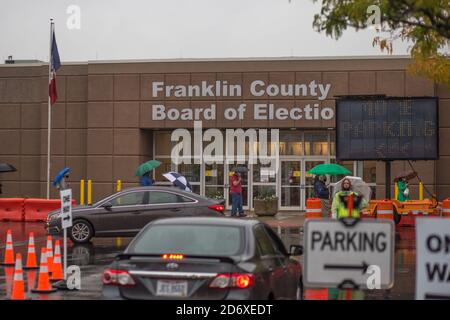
283	219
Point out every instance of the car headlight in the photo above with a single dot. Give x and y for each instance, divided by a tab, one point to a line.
52	217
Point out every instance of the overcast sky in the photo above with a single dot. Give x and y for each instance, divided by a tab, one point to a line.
163	29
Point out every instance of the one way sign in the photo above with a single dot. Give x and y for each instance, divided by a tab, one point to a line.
340	254
66	208
433	258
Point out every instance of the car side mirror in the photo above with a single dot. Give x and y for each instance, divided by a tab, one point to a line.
295	250
107	206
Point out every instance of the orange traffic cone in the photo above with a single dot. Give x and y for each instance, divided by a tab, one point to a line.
49	254
18	289
31	256
44	285
9	251
57	264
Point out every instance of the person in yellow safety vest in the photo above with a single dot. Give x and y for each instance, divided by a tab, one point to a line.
339	207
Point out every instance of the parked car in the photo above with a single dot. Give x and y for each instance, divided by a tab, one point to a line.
127	212
205	258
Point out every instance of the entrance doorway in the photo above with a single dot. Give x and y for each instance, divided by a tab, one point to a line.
295	185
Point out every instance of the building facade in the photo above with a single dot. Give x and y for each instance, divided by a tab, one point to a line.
111	116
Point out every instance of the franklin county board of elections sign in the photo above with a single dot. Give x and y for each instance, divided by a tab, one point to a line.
66	208
348	254
433	258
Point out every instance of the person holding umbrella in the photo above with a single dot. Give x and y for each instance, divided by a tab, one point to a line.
321	191
145	180
143	172
341	200
6	167
236	195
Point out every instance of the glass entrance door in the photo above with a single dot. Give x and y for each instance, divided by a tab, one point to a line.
245	178
290	182
295	184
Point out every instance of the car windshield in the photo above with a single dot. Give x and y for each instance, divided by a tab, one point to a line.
203	240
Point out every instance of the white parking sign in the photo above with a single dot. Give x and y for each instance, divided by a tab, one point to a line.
66	208
340	254
433	258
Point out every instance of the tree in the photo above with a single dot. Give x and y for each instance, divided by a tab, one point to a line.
425	23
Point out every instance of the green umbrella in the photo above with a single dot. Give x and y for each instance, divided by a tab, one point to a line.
332	169
146	167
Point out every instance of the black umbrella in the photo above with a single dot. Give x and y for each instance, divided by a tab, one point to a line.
6	167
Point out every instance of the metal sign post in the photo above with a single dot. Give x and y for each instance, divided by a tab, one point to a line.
433	258
349	253
66	222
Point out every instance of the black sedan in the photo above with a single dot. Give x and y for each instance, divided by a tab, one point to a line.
127	212
204	258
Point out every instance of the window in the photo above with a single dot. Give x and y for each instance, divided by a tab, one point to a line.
203	240
291	143
264	242
158	197
316	143
277	242
370	171
130	199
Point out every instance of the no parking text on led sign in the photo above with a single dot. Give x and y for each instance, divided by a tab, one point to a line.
387	128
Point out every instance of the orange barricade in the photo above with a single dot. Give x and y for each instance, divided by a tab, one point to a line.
446	208
313	208
11	209
385	210
316	294
37	209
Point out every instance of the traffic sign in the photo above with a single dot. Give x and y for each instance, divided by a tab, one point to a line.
433	258
66	208
354	254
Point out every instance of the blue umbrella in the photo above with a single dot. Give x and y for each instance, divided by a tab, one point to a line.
178	180
60	175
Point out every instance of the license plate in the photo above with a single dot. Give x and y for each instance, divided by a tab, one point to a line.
171	288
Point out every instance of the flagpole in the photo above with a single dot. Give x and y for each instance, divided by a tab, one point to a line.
49	112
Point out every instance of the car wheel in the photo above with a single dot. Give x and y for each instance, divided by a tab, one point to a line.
299	293
81	231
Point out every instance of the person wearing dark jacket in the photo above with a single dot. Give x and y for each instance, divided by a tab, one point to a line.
321	191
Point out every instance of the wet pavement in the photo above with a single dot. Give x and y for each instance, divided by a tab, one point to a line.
94	257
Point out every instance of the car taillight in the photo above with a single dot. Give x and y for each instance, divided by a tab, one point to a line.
234	280
172	256
115	277
217	207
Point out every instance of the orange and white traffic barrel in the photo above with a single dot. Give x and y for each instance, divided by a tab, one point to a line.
313	208
385	210
446	208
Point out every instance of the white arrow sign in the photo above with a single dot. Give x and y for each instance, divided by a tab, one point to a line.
338	254
433	258
66	208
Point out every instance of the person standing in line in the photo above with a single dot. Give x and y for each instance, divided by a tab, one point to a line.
321	191
236	195
403	190
145	180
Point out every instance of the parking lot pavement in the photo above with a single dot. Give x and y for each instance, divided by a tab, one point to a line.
94	257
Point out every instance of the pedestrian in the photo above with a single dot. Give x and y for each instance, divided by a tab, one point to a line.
145	180
339	207
403	190
236	195
339	210
321	191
